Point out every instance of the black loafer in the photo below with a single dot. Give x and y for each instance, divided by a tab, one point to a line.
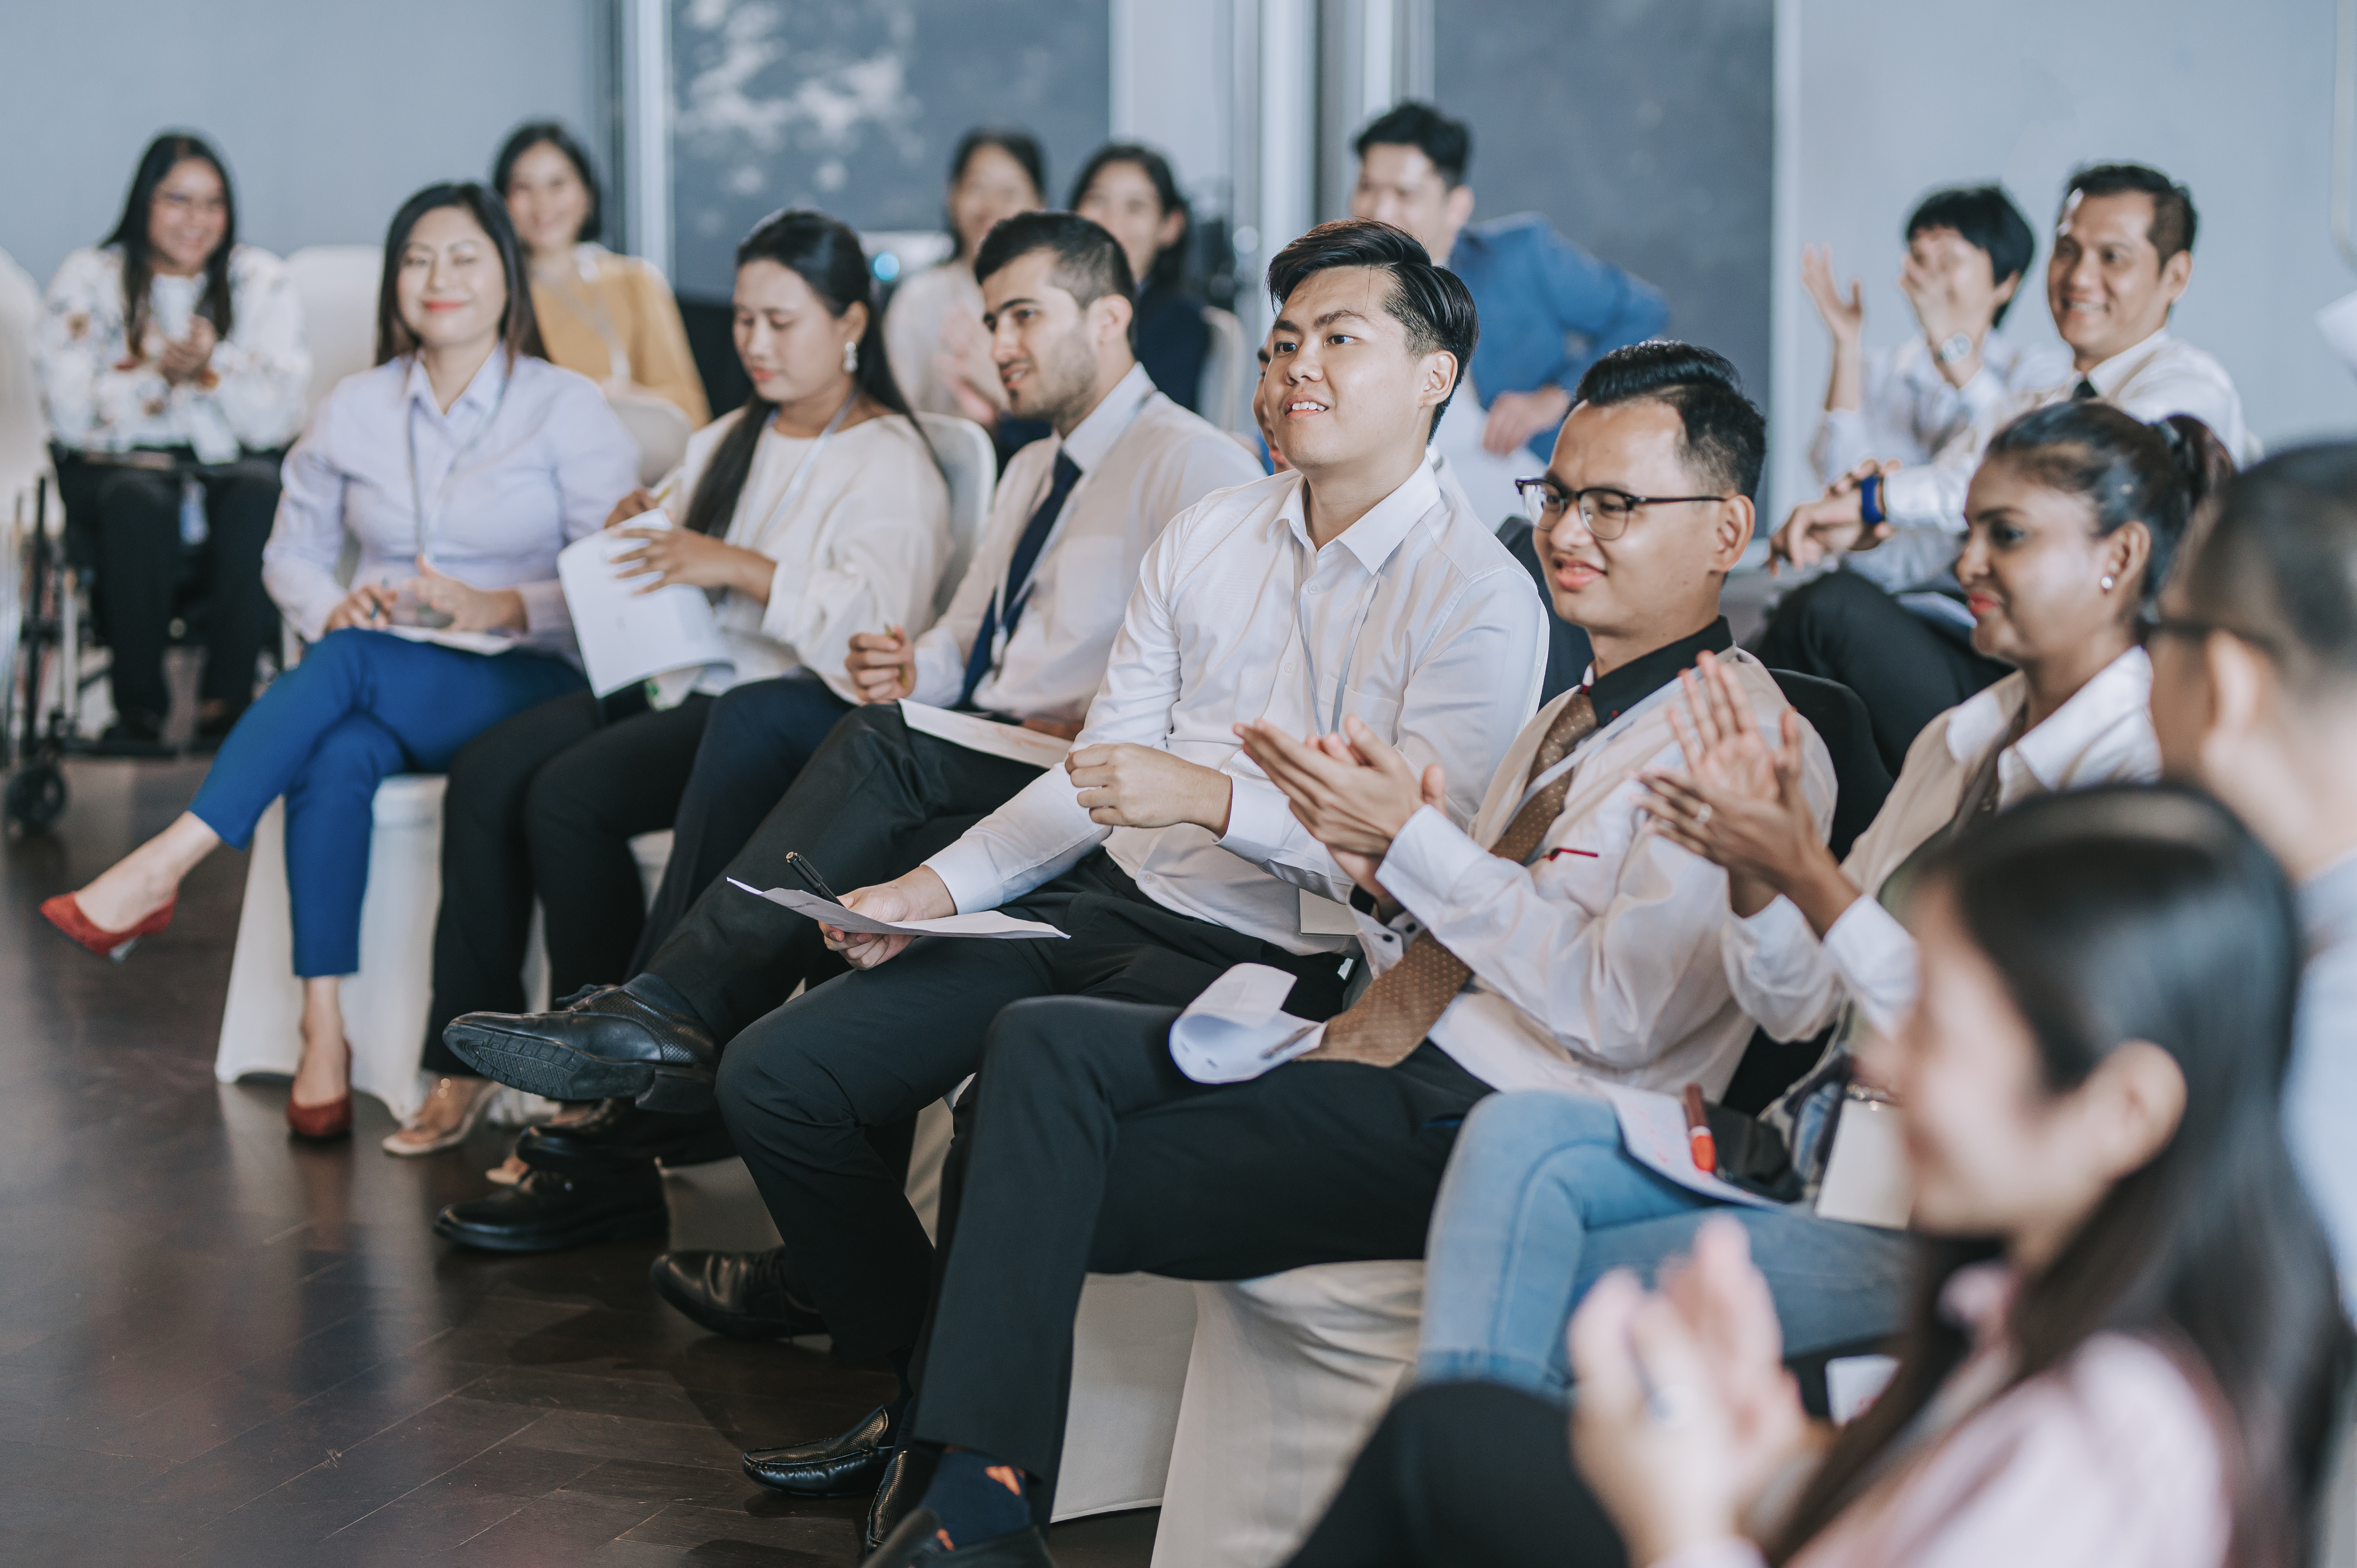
896	1495
549	1211
745	1295
612	1043
917	1542
844	1466
619	1133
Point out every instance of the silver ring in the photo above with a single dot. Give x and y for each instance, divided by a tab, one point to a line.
1702	815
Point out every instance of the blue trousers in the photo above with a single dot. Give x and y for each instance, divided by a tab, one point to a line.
361	706
1541	1201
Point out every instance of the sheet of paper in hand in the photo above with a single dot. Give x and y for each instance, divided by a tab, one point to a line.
1654	1127
1236	1030
465	641
627	636
986	736
981	923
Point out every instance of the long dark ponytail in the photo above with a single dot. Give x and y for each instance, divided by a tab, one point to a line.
2134	913
825	253
165	153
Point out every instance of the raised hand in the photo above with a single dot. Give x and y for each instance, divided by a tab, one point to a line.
1845	318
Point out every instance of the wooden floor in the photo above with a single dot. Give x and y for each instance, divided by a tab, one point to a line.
216	1346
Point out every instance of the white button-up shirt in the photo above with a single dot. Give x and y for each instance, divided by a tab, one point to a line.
1908	411
1795	985
524	463
1415	618
1600	958
1143	460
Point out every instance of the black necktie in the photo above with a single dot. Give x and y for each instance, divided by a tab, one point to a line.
2084	392
1018	573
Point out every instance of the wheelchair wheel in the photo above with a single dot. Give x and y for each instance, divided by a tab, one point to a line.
34	796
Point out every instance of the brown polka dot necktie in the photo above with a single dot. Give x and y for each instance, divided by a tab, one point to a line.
1400	1008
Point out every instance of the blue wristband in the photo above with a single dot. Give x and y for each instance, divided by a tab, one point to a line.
1869	499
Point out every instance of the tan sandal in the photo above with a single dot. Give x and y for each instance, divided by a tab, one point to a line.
403	1146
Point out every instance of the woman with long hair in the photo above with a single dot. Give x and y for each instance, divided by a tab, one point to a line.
1130	191
815	511
941	354
461	464
173	367
2126	1343
609	317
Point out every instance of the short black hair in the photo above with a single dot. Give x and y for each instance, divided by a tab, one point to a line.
1019	145
532	134
1431	302
1170	261
1987	220
2280	561
2173	217
1090	264
1725	438
1407	124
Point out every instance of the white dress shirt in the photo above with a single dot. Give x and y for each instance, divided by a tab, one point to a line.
1143	460
105	395
525	462
1793	984
1415	618
862	548
1908	411
1601	957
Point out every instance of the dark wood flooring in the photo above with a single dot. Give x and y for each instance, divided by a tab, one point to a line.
216	1346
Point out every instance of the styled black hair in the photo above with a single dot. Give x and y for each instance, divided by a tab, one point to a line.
1430	301
532	133
1090	262
2278	563
2130	912
1020	146
1725	438
825	253
165	153
1407	124
2126	470
518	329
1170	261
1987	219
2173	217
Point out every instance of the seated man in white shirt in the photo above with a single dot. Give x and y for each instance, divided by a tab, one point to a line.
1552	943
2123	257
863	795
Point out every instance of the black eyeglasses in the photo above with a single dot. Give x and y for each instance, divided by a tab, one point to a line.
1603	511
2193	628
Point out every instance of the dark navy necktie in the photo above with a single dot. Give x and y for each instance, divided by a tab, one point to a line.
2084	392
1018	574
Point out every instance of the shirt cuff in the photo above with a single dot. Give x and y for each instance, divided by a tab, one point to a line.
1259	821
1428	858
1875	958
939	675
1729	1552
1384	945
966	871
1922	494
1770	940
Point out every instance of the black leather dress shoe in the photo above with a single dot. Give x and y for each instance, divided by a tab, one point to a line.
916	1544
610	1043
843	1465
619	1133
548	1211
745	1295
896	1495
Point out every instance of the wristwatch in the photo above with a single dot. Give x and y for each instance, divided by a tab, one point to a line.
1955	349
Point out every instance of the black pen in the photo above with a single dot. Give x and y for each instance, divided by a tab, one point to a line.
799	863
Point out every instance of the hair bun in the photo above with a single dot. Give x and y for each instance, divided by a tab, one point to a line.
2203	465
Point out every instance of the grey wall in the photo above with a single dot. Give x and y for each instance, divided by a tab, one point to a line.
329	112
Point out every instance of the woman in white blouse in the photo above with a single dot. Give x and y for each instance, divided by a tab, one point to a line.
815	511
462	464
941	354
172	362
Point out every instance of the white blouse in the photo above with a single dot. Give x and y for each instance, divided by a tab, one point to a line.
105	395
912	332
862	549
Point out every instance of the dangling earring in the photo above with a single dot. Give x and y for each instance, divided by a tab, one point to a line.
2109	582
851	358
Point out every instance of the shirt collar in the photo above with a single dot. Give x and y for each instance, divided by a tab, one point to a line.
2327	904
1377	533
483	394
2106	377
1093	437
2052	750
1632	682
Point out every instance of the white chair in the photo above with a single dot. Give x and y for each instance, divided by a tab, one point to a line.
24	429
1288	1377
337	286
1220	395
660	426
972	468
385	1002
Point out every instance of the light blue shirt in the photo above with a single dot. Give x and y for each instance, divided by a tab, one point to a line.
2320	1090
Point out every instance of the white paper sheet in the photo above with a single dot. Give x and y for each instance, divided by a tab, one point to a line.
465	641
981	923
1235	1030
1654	1127
988	737
627	636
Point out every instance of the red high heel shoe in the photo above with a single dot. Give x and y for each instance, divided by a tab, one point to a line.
65	914
322	1123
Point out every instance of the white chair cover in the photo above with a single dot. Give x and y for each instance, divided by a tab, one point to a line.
660	426
972	468
1223	394
337	286
24	428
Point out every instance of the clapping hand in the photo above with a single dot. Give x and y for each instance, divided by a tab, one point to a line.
185	358
1845	318
1739	804
1352	791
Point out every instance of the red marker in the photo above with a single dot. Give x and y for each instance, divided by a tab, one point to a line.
1705	1148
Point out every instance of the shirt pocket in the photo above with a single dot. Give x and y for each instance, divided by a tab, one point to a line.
1380	714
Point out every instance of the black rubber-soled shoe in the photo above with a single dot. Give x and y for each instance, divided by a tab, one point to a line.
549	1211
904	1482
611	1044
745	1295
847	1465
619	1132
916	1543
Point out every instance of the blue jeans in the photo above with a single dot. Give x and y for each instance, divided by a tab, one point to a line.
361	706
1541	1201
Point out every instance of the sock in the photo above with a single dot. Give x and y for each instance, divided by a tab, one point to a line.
976	1498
